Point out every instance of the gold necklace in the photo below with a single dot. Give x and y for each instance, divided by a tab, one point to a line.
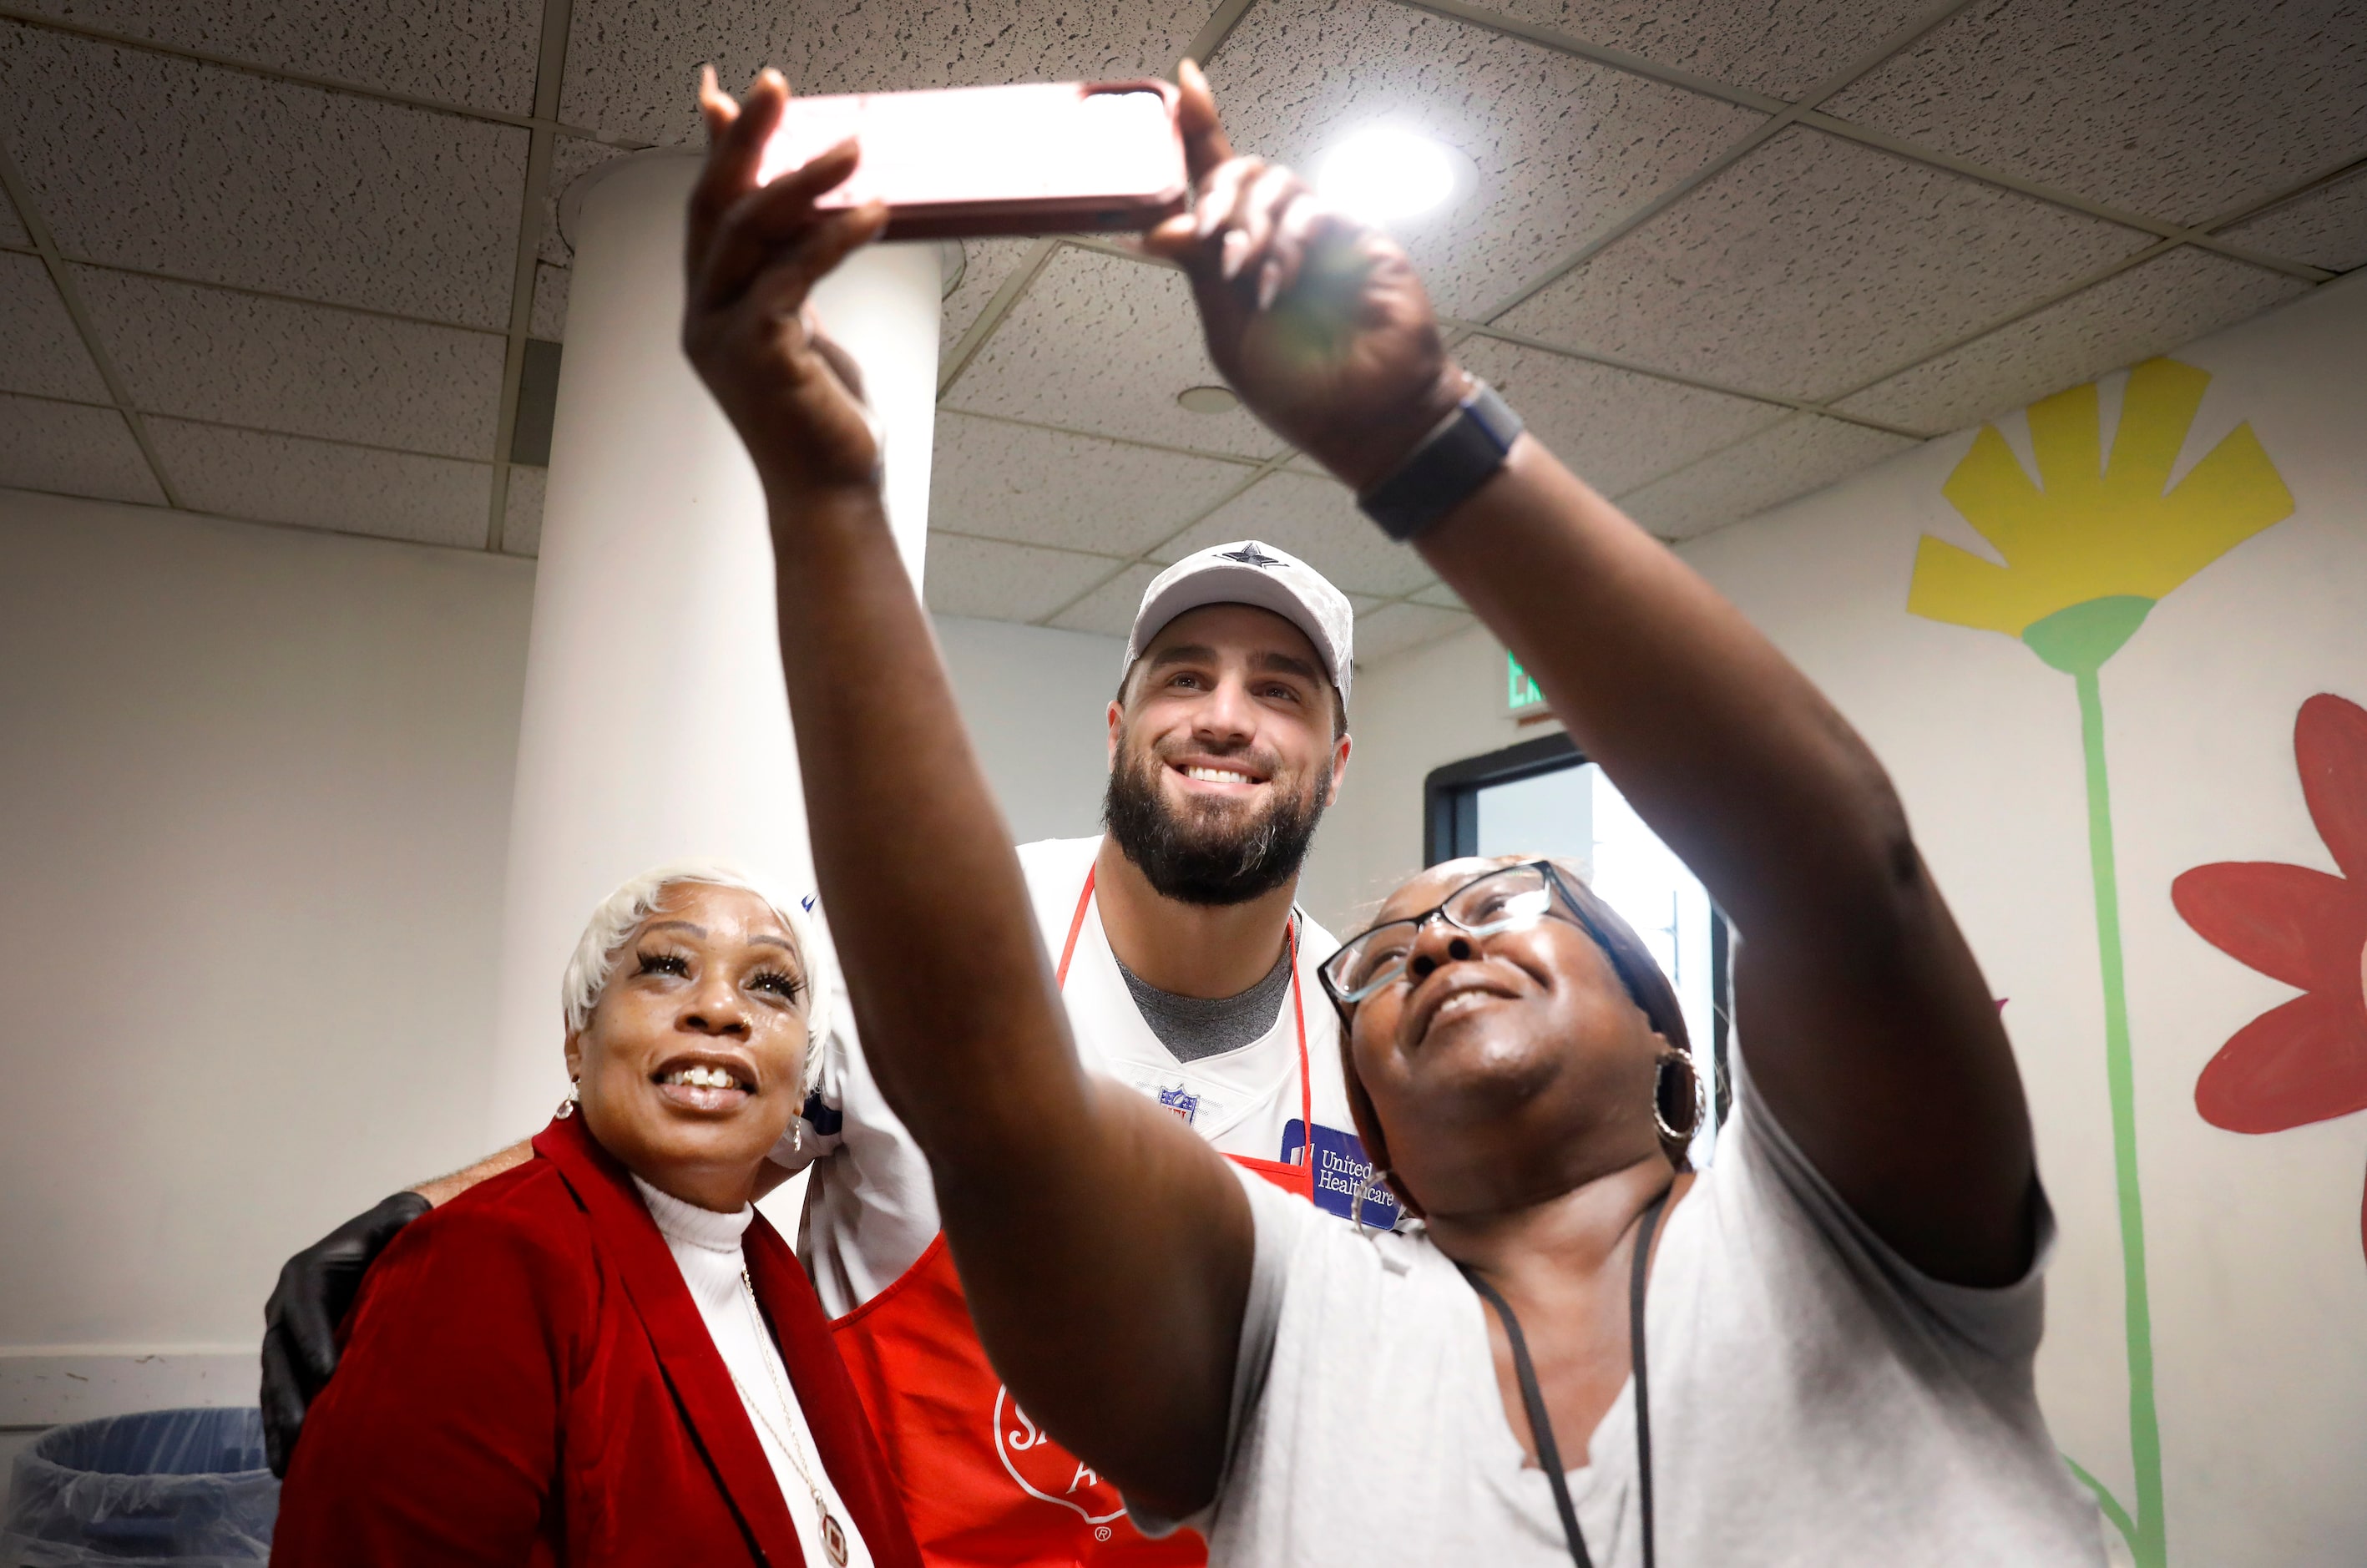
833	1534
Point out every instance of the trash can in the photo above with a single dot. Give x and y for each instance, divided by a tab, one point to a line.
184	1487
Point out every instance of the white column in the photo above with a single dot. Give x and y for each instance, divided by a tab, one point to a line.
655	725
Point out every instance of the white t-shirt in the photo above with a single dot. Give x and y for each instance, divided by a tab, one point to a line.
1814	1401
706	1247
871	1212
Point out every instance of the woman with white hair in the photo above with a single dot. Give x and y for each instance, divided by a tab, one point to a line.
604	1355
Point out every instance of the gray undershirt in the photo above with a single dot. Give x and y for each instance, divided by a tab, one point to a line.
1194	1027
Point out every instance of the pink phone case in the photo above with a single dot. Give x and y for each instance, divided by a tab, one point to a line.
962	163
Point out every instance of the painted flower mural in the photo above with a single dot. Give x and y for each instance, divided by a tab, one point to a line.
2305	1060
2087	549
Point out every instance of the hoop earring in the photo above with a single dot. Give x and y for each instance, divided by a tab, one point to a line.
1676	1057
567	1106
1373	1178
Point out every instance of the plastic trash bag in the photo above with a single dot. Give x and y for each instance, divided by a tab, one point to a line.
184	1487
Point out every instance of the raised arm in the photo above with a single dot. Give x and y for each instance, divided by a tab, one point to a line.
1867	1026
1102	1245
1868	1029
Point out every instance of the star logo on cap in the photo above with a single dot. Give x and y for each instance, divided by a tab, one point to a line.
1250	555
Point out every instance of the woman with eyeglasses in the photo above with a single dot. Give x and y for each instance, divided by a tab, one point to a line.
1817	1352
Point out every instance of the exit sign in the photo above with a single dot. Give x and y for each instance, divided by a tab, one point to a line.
1520	690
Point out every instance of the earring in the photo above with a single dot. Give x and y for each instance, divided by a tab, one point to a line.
567	1106
1661	1097
1373	1179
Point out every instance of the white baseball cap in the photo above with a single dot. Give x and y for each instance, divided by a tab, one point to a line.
1248	572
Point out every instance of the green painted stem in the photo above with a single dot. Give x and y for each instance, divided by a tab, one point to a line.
2149	1540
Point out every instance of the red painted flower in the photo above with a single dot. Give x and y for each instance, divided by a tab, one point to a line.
2305	1061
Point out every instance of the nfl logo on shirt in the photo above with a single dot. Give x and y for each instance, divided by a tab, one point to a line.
1182	1101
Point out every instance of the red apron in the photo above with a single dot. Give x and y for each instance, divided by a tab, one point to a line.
984	1487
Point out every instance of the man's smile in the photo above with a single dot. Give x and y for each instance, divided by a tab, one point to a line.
1220	776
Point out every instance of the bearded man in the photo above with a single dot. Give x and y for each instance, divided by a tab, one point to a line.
1187	970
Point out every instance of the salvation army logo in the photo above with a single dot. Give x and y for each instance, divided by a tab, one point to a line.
1045	1470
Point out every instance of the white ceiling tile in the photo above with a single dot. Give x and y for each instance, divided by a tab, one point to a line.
1317	520
1102	344
985	265
1441	596
12	228
1393	628
521	510
548	319
1563	147
152	161
284	479
993	581
236	359
632	65
40	350
1805	452
2179	108
571	157
1814	264
478	53
2152	308
2326	228
73	449
1033	486
1615	429
1768	45
1109	610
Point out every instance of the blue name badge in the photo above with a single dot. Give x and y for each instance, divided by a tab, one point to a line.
1339	1169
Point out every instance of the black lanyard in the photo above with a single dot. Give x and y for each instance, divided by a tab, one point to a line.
1541	1423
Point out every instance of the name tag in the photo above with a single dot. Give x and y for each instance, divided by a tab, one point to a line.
1341	1168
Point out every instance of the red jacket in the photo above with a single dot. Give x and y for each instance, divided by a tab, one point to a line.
526	1380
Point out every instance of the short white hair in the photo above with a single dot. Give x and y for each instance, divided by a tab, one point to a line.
621	912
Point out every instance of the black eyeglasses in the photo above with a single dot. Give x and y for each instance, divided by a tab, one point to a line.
1491	901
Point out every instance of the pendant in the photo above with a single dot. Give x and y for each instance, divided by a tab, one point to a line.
833	1541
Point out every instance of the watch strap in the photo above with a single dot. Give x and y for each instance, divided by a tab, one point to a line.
1455	459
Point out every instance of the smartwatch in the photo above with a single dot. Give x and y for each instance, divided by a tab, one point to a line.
1456	458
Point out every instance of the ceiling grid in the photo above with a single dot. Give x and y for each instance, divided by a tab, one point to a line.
550	68
2222	216
45	245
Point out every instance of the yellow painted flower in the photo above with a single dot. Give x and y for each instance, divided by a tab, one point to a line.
2088	549
2103	539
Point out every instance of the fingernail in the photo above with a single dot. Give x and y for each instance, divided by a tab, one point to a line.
1236	252
1269	284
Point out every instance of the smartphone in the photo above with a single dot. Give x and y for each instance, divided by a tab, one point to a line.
967	163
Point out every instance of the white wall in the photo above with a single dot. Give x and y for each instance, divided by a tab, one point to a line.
2259	1288
1035	700
251	818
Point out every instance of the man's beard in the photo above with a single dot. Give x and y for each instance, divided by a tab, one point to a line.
1217	854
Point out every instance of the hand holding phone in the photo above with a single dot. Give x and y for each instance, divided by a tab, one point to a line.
964	163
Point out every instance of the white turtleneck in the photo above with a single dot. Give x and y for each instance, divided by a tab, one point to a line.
706	1247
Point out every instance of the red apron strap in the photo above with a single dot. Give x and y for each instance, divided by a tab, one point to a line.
1306	1084
1076	924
